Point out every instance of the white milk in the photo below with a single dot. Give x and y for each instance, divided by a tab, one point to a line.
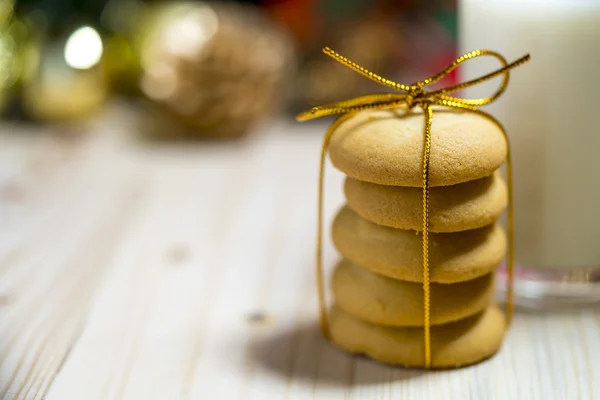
551	111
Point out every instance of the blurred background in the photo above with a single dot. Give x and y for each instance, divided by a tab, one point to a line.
208	69
125	261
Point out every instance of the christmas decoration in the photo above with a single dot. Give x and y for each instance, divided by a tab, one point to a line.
216	69
68	81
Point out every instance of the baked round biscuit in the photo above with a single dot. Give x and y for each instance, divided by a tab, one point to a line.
380	300
398	253
456	344
453	208
386	147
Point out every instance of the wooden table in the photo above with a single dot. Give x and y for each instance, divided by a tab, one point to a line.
131	269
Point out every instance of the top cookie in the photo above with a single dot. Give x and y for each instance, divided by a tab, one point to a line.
386	147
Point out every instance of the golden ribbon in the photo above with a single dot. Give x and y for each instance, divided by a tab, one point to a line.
415	95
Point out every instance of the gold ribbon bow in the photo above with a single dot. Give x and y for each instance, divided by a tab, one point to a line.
414	95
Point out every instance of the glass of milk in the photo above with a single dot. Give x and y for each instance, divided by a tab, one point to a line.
551	111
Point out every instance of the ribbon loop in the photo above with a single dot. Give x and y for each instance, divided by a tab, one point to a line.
410	97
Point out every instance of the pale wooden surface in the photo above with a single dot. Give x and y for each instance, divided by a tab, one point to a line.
135	270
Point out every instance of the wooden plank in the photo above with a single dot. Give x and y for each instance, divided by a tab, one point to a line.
133	270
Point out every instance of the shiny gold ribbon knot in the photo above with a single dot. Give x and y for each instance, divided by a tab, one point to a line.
414	95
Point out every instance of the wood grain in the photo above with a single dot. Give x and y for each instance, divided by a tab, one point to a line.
139	270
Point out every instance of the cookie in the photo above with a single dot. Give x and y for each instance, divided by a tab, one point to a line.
398	253
386	147
456	344
386	301
453	208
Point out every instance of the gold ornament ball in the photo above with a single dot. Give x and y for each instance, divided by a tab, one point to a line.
67	82
217	69
13	35
8	67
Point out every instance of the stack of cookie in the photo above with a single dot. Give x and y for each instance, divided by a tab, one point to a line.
377	285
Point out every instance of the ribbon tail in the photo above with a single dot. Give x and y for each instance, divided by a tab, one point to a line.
510	223
510	285
426	284
323	320
352	105
320	275
510	219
